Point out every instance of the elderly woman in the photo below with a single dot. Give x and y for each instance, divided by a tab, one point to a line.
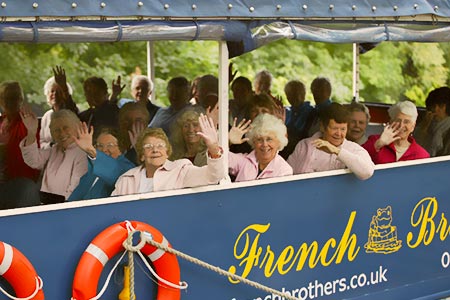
105	163
63	163
266	136
396	142
59	96
185	141
157	173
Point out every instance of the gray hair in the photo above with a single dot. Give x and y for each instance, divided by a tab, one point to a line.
263	125
355	106
139	78
405	107
50	82
67	115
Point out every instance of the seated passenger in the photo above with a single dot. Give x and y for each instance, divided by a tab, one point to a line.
186	142
59	96
178	92
157	173
101	112
358	120
432	131
267	136
133	119
105	164
329	150
64	163
242	92
396	142
12	131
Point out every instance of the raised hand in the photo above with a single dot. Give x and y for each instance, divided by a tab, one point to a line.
236	133
209	134
390	134
325	146
279	110
84	139
117	89
213	113
231	74
31	122
29	119
60	77
135	131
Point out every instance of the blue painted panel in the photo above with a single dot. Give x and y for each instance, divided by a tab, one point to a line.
289	215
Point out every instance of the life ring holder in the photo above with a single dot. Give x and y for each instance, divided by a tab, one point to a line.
20	274
113	240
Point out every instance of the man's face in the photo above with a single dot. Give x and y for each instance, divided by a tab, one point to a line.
335	133
141	91
356	126
94	95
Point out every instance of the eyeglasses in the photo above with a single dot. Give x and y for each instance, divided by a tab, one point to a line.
261	140
150	147
108	146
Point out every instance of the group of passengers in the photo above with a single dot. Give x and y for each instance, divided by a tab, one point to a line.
124	146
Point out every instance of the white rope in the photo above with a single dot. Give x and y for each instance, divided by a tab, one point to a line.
39	285
145	237
221	271
105	285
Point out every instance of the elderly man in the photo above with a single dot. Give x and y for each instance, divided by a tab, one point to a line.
101	112
358	120
141	89
329	150
178	90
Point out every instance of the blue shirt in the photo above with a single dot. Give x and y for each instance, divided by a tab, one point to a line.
102	174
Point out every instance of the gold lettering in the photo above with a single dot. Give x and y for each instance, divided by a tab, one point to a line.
249	257
423	216
443	228
251	252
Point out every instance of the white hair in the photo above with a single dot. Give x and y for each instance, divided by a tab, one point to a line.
139	78
51	82
404	107
265	124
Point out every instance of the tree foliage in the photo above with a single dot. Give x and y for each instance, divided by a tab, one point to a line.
388	73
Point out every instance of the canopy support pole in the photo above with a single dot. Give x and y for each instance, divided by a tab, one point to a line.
356	72
223	100
151	68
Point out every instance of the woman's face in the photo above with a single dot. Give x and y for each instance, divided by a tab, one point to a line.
108	144
154	152
63	132
406	123
51	95
266	148
190	129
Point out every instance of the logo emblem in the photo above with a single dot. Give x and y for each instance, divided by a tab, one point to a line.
382	234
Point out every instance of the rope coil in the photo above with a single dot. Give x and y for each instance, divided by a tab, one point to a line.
39	286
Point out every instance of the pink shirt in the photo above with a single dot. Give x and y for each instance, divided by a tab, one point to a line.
176	174
245	167
307	159
63	169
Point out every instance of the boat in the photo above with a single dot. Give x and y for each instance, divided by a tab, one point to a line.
324	235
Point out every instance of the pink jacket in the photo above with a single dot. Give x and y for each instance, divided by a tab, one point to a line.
245	167
177	174
63	169
307	159
387	153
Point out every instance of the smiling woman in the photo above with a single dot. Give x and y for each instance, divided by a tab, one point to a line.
267	136
64	163
158	173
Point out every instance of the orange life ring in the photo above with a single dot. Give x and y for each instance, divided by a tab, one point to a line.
109	243
20	273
